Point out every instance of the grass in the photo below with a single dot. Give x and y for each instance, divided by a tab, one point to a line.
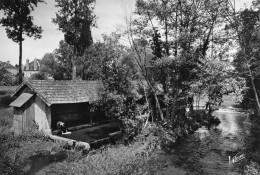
113	159
5	98
6	120
4	89
17	151
139	157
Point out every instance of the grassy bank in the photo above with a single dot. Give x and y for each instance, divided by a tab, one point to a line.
20	154
33	153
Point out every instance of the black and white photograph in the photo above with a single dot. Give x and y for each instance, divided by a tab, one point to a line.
129	87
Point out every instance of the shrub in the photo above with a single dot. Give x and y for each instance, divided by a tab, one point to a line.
6	117
5	100
252	169
5	92
33	134
131	128
39	76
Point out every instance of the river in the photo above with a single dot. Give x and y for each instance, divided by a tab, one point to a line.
207	152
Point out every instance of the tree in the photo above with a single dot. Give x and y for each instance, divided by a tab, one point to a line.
91	62
179	33
64	62
245	24
52	67
19	22
116	91
39	76
186	46
48	63
6	78
75	18
244	27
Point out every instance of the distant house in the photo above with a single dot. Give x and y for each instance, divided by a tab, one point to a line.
31	68
46	102
8	67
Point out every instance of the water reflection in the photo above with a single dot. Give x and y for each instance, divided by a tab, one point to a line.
212	153
234	123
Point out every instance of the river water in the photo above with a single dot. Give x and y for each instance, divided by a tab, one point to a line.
207	152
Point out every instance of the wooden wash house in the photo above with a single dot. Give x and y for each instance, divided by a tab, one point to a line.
45	102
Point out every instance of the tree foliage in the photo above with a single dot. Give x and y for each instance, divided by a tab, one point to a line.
64	62
75	19
247	61
6	78
188	56
19	22
117	98
39	76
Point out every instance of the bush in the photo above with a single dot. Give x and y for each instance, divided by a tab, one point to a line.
131	128
5	100
6	117
252	169
33	134
39	76
16	150
5	92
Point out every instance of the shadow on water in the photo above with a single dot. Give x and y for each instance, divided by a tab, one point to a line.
38	162
208	151
93	133
253	141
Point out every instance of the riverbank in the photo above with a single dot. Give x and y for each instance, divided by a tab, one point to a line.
208	151
34	153
205	152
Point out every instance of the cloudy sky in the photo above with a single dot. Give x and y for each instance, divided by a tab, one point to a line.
110	14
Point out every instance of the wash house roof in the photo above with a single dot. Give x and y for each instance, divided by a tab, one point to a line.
61	92
21	100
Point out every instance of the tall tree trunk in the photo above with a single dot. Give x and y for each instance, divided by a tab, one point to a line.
167	111
166	38
254	88
256	95
176	33
20	74
74	70
158	107
173	110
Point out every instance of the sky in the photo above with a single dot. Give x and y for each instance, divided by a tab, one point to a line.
110	14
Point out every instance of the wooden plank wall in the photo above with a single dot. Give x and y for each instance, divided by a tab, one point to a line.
23	117
28	115
16	121
42	115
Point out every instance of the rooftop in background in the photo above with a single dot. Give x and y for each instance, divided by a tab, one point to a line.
33	65
6	65
60	92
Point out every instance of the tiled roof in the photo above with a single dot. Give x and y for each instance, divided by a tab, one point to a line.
60	92
6	65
